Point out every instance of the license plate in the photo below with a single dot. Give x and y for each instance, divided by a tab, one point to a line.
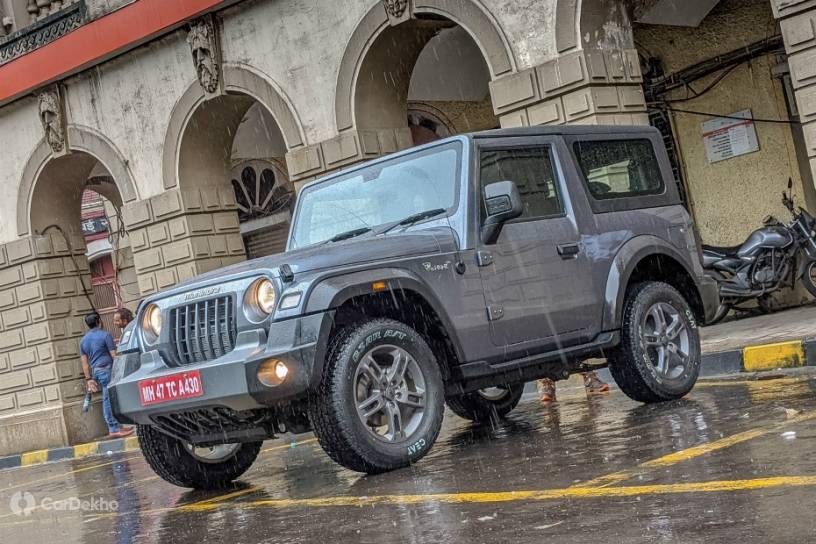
185	385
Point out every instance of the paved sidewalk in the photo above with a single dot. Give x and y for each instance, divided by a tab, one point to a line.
795	324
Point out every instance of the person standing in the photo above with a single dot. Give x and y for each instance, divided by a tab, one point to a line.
122	317
97	352
593	384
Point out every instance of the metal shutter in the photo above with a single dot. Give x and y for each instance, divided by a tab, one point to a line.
267	241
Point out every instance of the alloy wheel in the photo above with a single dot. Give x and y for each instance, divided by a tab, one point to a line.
666	339
389	393
212	454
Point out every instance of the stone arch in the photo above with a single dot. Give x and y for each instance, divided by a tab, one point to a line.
238	79
468	14
82	139
583	24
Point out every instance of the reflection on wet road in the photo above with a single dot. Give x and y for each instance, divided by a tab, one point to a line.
732	462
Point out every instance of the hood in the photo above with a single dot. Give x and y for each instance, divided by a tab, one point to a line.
351	252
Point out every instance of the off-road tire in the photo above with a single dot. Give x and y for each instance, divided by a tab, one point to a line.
332	408
479	409
629	363
169	458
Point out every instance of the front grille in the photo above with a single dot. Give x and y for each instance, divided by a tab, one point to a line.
203	331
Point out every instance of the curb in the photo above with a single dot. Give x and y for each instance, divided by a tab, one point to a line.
761	358
81	451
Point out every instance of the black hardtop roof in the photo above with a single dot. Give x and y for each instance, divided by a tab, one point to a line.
562	130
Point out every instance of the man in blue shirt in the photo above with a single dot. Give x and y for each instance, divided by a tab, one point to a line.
97	352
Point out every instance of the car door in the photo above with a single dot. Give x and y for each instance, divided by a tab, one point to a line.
536	279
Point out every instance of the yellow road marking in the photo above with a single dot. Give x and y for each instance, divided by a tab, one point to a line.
691	453
718	486
773	382
771	356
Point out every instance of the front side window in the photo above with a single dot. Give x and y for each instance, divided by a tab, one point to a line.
379	194
619	168
531	169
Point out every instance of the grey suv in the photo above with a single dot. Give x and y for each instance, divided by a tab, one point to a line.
450	273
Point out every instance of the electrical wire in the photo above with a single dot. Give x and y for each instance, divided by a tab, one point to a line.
660	106
73	259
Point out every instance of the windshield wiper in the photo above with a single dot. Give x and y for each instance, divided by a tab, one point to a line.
348	234
411	219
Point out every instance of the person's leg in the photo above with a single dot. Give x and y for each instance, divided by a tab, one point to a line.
102	377
546	390
594	384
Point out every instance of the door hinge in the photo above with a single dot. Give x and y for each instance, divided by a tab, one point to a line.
495	312
484	258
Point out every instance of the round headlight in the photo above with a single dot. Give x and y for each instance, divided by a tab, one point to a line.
152	323
260	299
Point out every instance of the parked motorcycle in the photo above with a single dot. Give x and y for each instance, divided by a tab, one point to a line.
772	258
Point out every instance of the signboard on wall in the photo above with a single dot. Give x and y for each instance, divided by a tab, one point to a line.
95	225
726	138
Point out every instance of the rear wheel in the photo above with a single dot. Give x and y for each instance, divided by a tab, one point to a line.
659	357
809	278
485	404
381	399
185	465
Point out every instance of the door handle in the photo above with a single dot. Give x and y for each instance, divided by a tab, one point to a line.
568	251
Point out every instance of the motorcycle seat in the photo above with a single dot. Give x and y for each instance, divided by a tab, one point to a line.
721	251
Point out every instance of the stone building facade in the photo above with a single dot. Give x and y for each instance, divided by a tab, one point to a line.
206	116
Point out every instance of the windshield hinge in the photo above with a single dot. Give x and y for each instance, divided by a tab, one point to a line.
484	258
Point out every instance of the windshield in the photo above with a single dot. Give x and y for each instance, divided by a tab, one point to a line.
384	193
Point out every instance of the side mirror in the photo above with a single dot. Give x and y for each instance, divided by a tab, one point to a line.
503	203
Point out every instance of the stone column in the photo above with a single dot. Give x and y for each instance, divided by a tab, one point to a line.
43	286
181	233
581	87
797	19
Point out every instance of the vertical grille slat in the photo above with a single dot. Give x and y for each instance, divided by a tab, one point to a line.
203	330
219	350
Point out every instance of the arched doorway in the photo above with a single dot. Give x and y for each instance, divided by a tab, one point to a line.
427	74
76	199
71	212
234	141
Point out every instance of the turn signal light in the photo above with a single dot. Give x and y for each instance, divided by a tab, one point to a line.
272	372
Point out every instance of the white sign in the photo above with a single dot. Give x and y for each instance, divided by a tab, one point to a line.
726	138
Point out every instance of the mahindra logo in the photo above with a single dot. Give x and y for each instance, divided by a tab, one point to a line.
202	293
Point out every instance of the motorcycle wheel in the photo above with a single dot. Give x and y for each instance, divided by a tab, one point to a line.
722	311
809	278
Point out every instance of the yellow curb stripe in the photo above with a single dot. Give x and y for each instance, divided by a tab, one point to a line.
33	458
86	450
131	443
773	356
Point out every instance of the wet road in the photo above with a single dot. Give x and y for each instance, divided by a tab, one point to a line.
732	462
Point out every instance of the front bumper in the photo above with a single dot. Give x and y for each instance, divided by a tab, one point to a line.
229	381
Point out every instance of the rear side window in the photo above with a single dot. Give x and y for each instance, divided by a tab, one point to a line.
531	169
619	168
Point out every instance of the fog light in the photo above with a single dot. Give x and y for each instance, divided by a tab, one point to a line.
272	373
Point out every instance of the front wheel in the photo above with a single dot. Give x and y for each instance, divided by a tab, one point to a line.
482	405
380	402
659	356
809	278
185	465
